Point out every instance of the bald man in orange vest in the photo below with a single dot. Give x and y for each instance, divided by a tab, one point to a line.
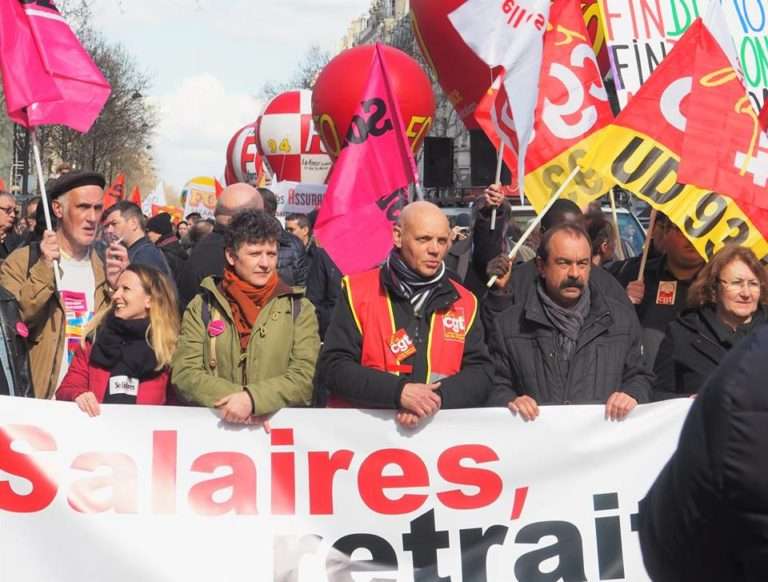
406	336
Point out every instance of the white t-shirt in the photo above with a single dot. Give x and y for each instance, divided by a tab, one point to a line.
77	293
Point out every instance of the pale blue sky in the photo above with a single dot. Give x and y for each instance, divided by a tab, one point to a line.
208	59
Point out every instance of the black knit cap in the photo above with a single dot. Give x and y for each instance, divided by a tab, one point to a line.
161	224
72	180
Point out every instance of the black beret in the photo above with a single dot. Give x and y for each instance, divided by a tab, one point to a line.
72	180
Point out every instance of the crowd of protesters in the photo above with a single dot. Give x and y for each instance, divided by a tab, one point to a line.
246	316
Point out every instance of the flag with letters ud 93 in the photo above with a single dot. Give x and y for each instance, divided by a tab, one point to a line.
641	151
48	77
571	110
370	179
725	148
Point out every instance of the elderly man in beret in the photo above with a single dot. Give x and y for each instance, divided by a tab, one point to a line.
55	317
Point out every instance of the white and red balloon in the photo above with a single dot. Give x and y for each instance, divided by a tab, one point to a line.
244	164
288	140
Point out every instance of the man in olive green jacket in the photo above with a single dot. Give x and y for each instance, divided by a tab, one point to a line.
249	342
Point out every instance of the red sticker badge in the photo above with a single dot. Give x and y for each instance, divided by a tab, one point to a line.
667	293
401	345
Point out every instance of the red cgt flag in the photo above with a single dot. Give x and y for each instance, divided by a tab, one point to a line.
571	111
725	148
48	77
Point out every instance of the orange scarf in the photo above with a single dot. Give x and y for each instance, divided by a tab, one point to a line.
246	301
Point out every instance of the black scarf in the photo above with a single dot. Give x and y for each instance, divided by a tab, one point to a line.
413	286
567	322
121	347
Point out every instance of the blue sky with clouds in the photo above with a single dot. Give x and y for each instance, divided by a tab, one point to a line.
208	59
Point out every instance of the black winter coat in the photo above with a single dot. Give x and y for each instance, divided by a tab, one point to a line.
292	262
323	286
340	371
693	347
608	356
488	244
207	258
174	253
706	516
655	314
15	376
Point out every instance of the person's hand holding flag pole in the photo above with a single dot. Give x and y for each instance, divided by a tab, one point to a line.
534	224
497	181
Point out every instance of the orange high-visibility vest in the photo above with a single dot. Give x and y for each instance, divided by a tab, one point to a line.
375	319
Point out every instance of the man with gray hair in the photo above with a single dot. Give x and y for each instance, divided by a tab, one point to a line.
56	310
207	258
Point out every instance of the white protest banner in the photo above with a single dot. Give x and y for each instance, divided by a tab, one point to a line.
640	33
166	494
200	195
296	197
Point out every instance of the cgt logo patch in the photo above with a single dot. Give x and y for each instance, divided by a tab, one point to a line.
401	345
454	325
667	293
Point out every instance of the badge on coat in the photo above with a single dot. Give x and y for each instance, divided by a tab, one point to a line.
401	345
455	325
667	293
124	385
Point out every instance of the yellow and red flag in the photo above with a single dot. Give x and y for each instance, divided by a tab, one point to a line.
642	149
571	110
115	192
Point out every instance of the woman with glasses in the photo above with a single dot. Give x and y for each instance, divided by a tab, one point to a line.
727	301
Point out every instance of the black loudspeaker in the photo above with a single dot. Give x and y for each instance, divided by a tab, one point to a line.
483	156
438	162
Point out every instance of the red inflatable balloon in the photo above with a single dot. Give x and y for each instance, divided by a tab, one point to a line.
341	84
462	75
288	140
244	164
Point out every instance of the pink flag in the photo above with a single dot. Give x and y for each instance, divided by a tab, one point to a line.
48	77
369	183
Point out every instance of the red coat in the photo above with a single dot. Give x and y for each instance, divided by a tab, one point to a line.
83	376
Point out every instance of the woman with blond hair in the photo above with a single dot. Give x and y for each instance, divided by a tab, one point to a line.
128	347
726	302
